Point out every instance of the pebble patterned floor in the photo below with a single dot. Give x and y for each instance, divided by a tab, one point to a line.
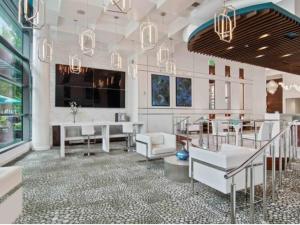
115	188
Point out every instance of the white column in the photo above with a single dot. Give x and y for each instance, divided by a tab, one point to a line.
40	97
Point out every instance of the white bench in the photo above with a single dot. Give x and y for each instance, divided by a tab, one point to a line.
10	205
209	167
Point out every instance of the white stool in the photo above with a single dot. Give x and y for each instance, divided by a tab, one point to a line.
128	129
88	130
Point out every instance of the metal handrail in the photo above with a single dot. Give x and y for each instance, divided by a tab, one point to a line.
185	118
237	170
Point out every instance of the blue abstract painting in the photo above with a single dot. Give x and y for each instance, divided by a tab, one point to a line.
183	92
160	90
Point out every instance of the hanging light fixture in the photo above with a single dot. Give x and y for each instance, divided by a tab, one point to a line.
163	53
34	20
115	57
75	64
74	59
272	87
148	35
225	23
116	60
133	69
45	50
121	6
171	67
87	38
132	65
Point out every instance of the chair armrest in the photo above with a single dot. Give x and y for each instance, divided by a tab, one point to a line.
170	140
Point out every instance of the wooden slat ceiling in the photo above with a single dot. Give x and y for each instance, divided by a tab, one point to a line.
281	52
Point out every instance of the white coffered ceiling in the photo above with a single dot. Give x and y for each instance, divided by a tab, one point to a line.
182	17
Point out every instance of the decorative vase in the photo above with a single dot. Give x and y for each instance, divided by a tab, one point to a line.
182	154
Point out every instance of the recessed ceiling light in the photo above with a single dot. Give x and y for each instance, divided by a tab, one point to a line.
264	36
230	47
259	56
286	55
80	12
263	48
246	46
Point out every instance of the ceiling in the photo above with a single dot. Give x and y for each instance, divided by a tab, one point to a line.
182	18
266	35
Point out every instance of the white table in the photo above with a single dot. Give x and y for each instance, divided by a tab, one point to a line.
104	128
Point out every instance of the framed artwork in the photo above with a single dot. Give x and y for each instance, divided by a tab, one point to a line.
183	92
160	85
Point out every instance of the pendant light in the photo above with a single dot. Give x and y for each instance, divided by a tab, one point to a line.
87	38
45	50
272	87
74	59
132	66
148	35
171	67
225	23
34	21
163	53
115	57
121	6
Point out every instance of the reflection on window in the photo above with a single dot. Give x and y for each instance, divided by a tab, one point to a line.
212	104
11	113
10	31
227	71
15	80
242	96
228	95
242	89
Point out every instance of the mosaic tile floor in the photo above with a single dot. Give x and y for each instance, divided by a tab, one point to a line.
118	188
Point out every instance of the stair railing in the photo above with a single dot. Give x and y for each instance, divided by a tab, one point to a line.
287	151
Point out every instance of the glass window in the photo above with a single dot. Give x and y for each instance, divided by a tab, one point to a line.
227	71
228	95
212	104
15	80
10	31
242	96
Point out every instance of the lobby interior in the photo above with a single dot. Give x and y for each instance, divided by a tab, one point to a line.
149	111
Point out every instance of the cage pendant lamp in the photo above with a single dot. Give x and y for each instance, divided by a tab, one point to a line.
34	19
45	50
163	54
116	60
75	63
148	35
171	67
225	23
121	6
87	38
133	69
87	41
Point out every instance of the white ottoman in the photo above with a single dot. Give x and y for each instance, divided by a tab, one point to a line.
10	205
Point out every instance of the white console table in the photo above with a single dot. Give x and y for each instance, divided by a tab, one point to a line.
104	128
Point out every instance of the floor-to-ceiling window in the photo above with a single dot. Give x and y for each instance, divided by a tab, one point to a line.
15	78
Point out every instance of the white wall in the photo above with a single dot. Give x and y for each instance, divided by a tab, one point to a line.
101	60
195	66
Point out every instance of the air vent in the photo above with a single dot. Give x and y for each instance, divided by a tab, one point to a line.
291	35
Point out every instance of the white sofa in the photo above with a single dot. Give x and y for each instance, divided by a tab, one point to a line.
210	167
155	145
10	199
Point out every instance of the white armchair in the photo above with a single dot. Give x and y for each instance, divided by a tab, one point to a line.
209	167
155	145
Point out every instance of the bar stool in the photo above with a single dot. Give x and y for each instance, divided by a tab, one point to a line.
88	131
128	129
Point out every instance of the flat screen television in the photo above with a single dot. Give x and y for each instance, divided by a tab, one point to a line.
95	88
